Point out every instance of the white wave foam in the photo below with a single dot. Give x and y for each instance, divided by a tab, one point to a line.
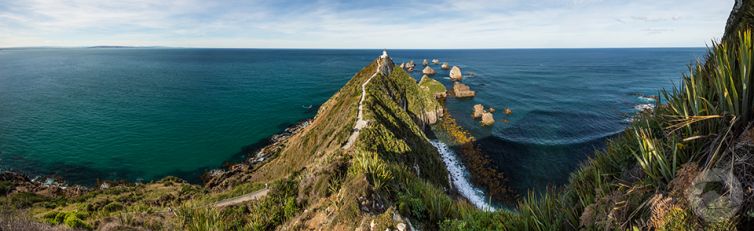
644	107
459	177
646	99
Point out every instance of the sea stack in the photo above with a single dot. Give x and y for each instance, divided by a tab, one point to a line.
445	66
410	66
487	119
428	71
425	62
435	61
455	74
478	111
461	90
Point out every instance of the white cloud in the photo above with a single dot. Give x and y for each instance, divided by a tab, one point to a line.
411	24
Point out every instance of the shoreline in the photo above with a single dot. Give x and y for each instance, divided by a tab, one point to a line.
479	165
234	173
249	156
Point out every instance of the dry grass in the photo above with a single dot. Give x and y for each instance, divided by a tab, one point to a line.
12	221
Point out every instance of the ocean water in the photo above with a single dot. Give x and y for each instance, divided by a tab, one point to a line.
565	102
87	114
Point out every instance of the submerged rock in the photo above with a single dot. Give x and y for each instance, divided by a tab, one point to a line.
478	111
445	66
455	73
487	119
508	111
461	90
429	71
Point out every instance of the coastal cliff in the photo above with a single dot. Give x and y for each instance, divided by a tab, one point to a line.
365	161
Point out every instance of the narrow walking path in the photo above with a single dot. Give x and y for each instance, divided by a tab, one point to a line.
242	198
360	122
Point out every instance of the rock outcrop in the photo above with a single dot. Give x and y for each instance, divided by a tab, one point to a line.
455	73
435	61
409	66
461	90
429	71
425	62
445	66
431	91
478	111
487	119
432	116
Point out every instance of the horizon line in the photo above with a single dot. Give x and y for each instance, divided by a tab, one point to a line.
318	48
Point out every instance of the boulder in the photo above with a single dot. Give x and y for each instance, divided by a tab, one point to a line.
429	71
487	119
508	111
491	110
425	62
461	90
478	111
455	73
403	65
445	66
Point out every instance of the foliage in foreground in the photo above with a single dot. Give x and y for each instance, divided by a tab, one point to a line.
640	180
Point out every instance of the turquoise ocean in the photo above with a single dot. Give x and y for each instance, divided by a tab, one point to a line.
144	113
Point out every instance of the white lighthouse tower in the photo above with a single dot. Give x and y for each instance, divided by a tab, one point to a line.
384	54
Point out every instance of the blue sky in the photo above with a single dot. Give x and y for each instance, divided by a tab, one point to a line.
364	24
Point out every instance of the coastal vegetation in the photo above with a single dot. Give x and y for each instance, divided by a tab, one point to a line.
392	177
644	179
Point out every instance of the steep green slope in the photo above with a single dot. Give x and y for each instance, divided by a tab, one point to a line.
392	176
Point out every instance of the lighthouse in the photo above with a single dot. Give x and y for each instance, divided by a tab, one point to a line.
384	54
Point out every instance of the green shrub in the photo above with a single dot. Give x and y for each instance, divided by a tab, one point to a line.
112	207
5	187
76	223
72	219
24	199
370	164
274	209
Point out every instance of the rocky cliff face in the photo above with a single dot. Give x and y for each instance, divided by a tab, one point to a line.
741	16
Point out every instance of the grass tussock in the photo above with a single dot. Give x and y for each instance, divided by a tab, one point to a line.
640	180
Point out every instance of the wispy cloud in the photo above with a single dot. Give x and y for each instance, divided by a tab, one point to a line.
362	24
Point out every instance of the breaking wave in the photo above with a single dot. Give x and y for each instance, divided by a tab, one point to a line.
459	177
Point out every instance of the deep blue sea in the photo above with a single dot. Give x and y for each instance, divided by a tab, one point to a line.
144	113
